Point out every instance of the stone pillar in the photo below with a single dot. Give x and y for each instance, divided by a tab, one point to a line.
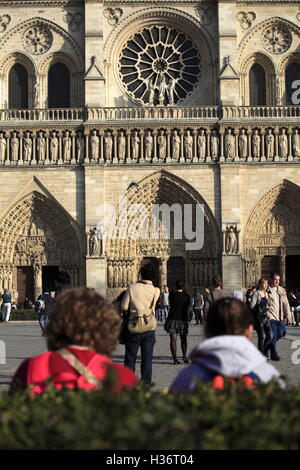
163	271
73	150
115	149
142	159
222	132
128	158
7	161
33	161
249	134
168	158
182	159
263	157
47	161
276	132
87	147
195	157
101	135
236	133
155	146
290	154
282	265
208	134
20	162
38	283
60	160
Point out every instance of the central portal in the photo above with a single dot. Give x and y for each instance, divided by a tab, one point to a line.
176	271
49	274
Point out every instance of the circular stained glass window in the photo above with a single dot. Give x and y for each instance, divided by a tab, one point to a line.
160	66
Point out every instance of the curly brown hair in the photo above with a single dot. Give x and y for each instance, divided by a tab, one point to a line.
227	316
83	317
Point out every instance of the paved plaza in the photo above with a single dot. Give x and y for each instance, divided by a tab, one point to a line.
23	339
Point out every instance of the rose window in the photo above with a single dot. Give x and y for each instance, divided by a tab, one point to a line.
160	66
277	39
37	39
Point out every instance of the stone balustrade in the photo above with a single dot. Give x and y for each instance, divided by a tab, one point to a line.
64	114
149	145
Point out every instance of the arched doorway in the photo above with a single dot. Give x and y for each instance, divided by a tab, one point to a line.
292	74
272	236
58	86
40	241
139	231
18	87
257	84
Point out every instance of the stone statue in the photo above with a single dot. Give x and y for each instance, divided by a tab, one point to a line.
149	145
283	144
161	88
41	146
116	276
231	241
135	140
202	145
295	143
229	144
80	147
175	146
108	142
188	145
121	146
162	145
110	275
170	91
93	242
2	147
256	144
14	143
270	144
36	95
53	147
67	147
27	147
95	145
214	145
151	90
243	141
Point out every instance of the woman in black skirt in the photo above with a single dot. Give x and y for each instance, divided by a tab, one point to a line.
177	321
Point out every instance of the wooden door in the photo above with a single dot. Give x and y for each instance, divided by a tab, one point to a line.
25	284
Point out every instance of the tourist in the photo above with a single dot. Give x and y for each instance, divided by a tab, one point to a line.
140	299
248	295
82	333
44	305
279	314
215	294
259	306
6	306
178	320
164	303
227	350
61	282
26	303
197	305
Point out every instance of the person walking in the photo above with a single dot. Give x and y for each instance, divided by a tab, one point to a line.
164	303
62	282
141	297
198	304
259	306
6	306
215	294
178	320
279	314
44	304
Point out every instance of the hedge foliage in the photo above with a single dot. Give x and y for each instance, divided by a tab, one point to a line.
141	419
23	315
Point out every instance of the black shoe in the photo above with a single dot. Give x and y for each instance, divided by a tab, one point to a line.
176	361
276	358
185	359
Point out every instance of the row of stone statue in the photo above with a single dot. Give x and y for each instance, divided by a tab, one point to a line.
202	270
121	273
150	146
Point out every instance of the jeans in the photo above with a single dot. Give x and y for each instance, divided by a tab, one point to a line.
278	330
198	315
146	341
6	309
43	321
263	342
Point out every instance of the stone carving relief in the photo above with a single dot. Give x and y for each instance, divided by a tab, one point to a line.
95	242
229	144
256	144
246	19
37	39
148	72
113	15
283	144
231	240
276	39
73	20
2	147
4	22
205	14
270	139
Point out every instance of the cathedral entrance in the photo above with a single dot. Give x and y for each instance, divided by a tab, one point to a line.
25	281
176	271
49	273
269	265
155	264
293	272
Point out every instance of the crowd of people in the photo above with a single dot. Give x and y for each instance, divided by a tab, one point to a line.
82	330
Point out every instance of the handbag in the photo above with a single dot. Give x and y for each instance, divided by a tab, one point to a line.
124	327
142	320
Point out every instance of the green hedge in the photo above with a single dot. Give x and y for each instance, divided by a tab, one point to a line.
234	418
23	315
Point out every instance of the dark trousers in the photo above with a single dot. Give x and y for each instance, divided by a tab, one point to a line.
264	334
146	341
198	315
277	332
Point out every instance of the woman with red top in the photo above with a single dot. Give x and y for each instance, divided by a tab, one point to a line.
82	332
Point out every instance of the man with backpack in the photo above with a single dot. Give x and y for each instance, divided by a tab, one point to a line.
43	306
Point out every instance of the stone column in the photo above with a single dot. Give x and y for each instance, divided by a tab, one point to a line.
47	161
87	147
38	283
128	158
154	160
236	133
20	162
163	271
195	157
60	160
263	157
142	159
101	135
276	132
249	133
73	150
115	149
33	161
182	159
7	161
208	134
168	158
290	154
222	132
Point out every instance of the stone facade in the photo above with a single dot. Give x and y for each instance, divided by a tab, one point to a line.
160	113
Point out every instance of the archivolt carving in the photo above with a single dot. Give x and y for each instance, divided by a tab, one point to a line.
55	57
20	58
288	59
37	229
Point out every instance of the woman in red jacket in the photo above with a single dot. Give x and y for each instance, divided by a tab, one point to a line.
83	331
